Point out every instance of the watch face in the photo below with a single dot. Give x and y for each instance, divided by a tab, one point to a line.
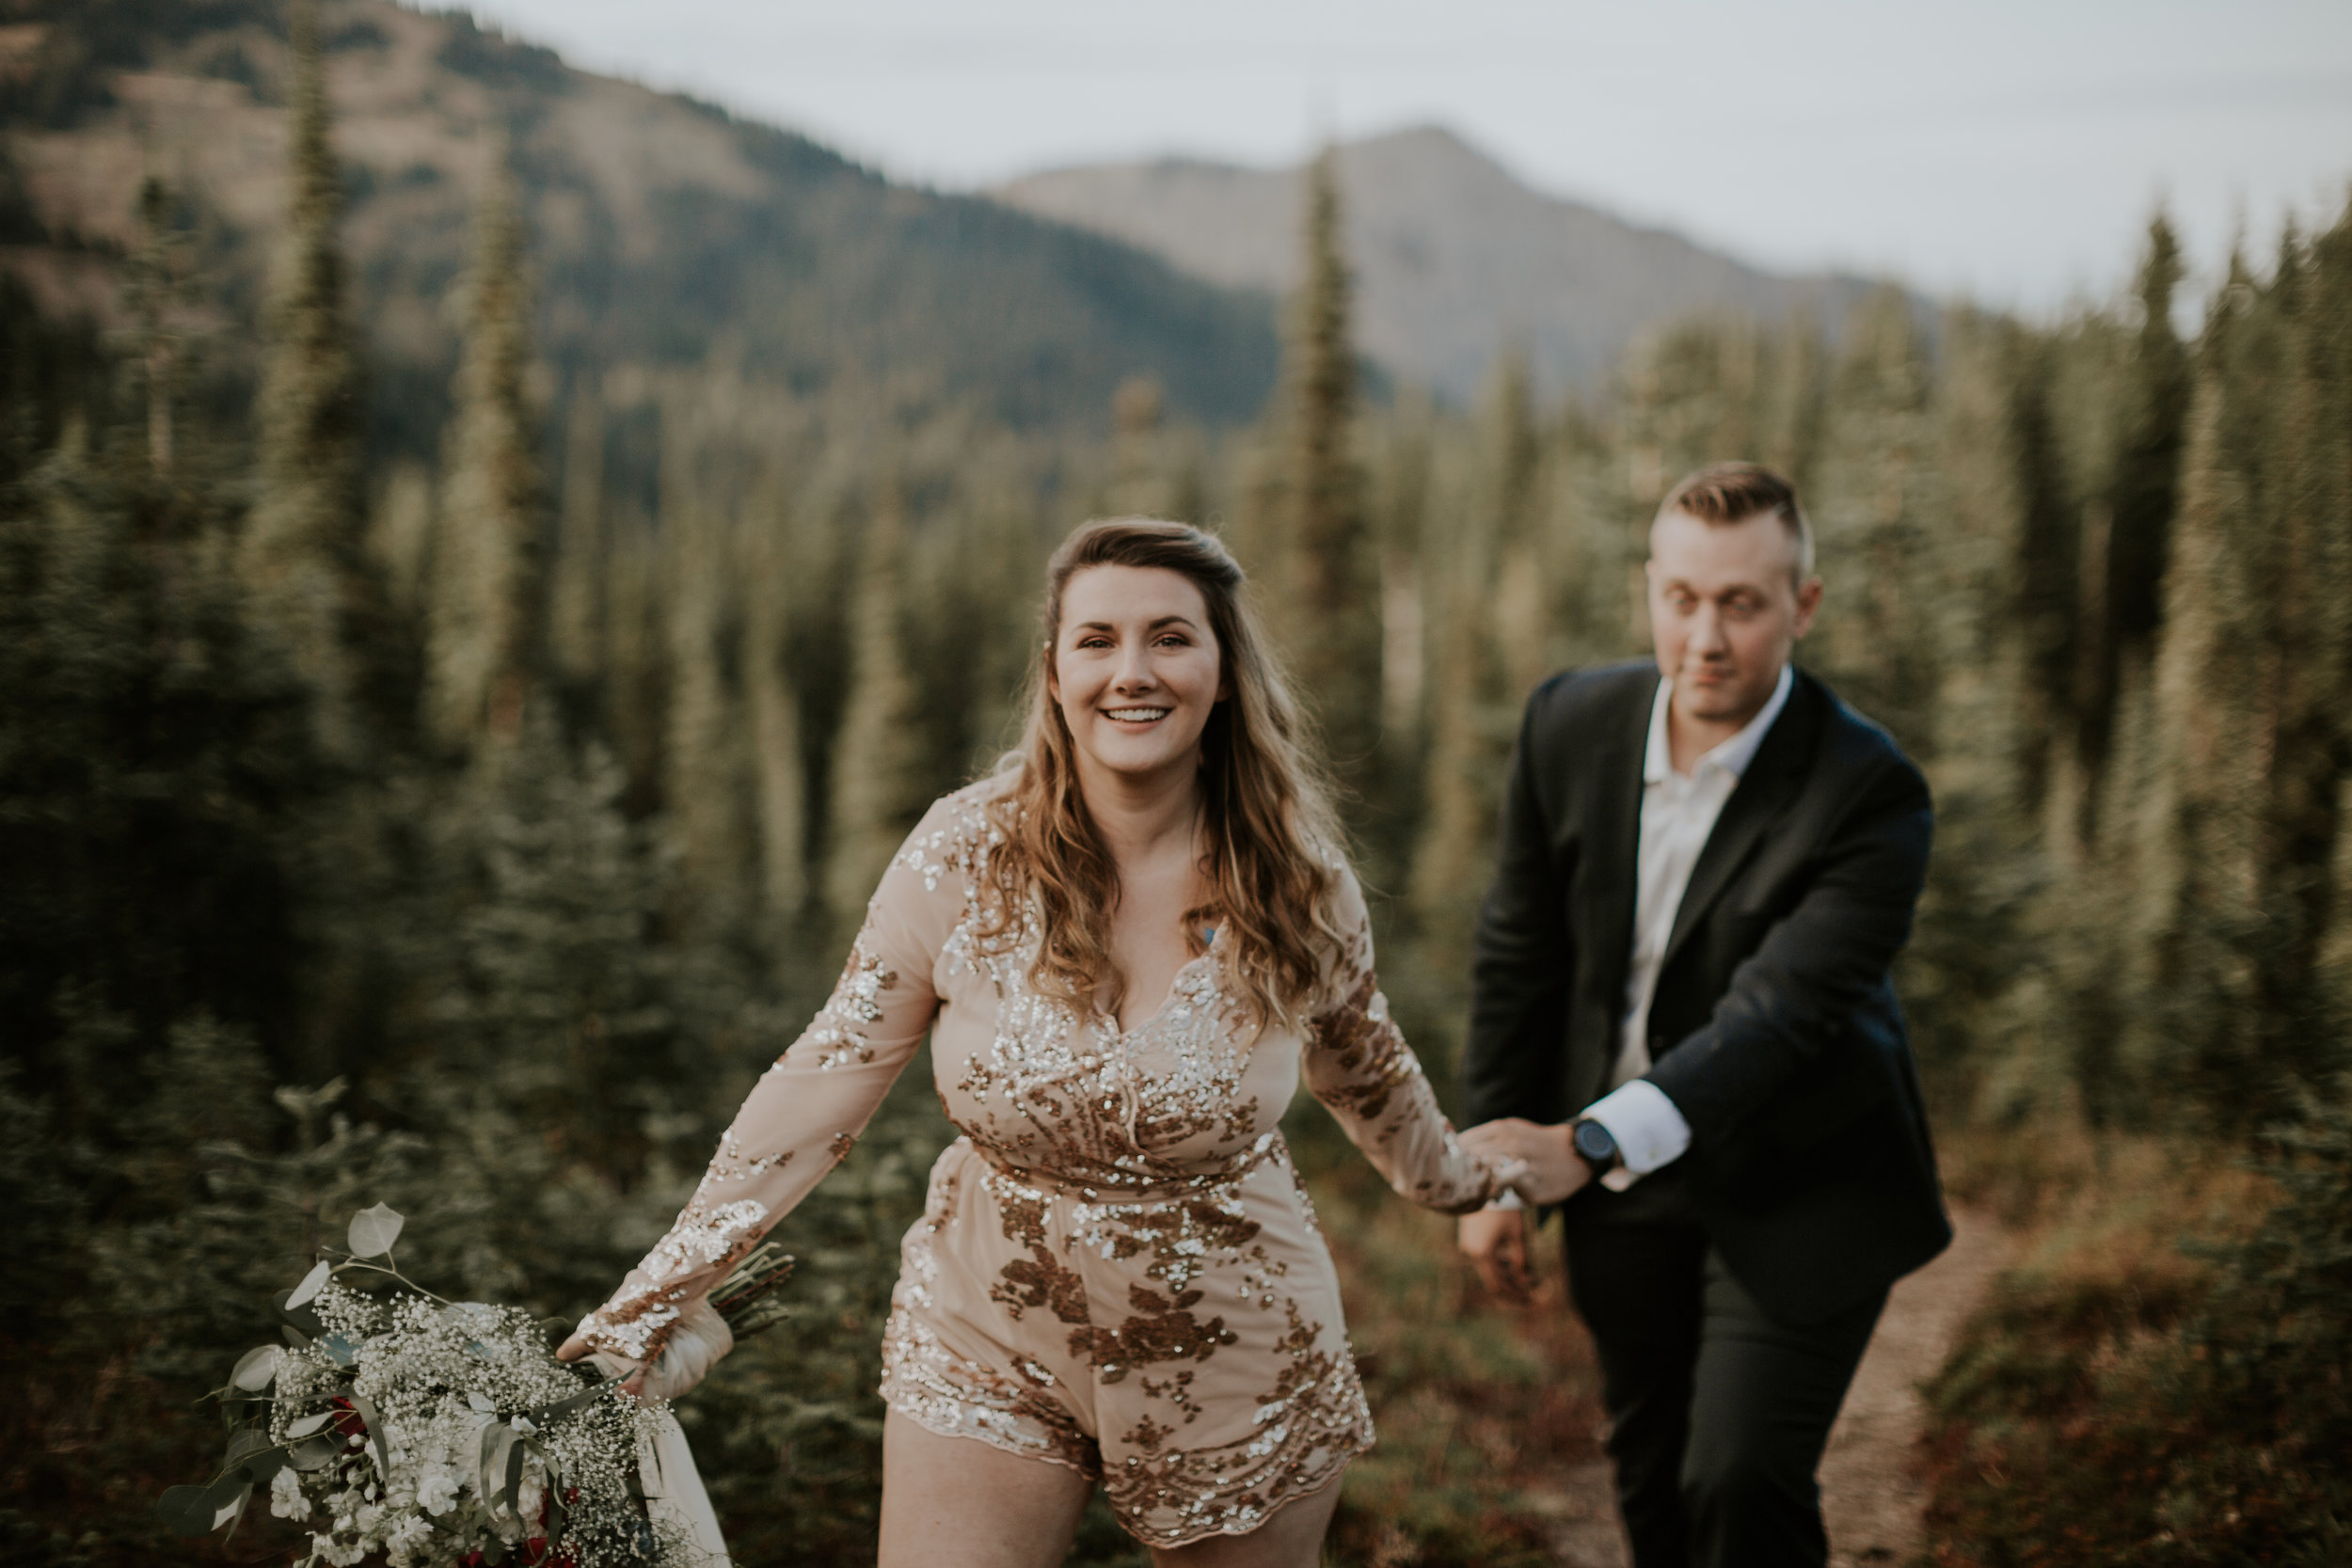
1594	1142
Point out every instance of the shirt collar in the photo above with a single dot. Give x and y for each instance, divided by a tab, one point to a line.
1733	755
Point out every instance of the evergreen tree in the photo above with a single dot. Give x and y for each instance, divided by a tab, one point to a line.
704	758
879	785
575	596
488	604
153	293
2131	525
1328	577
779	769
301	553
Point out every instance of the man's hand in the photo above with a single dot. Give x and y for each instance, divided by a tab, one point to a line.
1495	1241
1554	1171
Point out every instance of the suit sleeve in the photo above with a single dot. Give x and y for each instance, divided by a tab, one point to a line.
1816	966
1521	963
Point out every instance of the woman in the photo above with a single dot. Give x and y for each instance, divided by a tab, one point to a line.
1126	945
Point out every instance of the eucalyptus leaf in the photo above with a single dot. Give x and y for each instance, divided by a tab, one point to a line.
311	1285
262	1467
243	1444
562	1408
257	1368
511	1489
183	1509
366	1408
314	1454
309	1423
223	1498
295	1337
486	1461
374	1230
493	1551
299	1318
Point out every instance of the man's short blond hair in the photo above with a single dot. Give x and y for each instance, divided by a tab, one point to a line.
1726	493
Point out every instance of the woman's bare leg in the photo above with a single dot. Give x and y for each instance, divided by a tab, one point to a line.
1292	1538
955	1503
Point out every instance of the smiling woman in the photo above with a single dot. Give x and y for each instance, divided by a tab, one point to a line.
1128	946
1143	615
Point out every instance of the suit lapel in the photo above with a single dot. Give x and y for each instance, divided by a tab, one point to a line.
1616	822
1766	791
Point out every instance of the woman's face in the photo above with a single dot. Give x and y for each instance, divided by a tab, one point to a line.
1136	669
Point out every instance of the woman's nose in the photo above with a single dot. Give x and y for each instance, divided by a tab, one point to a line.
1135	668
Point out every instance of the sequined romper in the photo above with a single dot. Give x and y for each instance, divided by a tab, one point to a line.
1116	1268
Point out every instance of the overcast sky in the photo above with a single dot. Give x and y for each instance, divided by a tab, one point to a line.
2009	149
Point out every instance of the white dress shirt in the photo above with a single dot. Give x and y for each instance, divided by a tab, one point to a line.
1679	813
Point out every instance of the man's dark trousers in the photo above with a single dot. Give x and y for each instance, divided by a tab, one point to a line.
1718	1412
1731	1293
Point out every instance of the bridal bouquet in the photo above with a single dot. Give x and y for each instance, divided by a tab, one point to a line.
439	1433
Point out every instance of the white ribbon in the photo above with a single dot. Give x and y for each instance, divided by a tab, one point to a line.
674	1488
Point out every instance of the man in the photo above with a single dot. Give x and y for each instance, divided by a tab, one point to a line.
1683	1022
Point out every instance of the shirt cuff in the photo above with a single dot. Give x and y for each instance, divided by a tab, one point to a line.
1648	1130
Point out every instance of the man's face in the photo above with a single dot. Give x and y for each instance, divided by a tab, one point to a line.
1724	610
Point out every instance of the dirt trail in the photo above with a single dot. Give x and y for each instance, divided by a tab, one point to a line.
1872	1501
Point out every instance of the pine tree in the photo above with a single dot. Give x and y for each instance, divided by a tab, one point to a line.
485	631
575	597
154	292
1332	594
703	760
301	553
2130	530
2196	875
879	785
779	770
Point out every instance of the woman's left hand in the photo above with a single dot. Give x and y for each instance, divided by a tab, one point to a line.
1550	1170
696	1342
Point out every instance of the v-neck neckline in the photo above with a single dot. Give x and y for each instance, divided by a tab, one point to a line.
1175	987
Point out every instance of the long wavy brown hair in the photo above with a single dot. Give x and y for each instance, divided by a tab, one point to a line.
1273	851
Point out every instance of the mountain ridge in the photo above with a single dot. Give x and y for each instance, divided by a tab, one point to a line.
1457	259
666	232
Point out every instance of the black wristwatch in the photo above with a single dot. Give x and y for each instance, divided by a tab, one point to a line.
1594	1146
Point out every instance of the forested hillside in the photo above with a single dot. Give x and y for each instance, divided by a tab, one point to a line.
466	833
666	233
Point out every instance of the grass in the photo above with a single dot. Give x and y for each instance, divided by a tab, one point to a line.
1480	1406
2108	1402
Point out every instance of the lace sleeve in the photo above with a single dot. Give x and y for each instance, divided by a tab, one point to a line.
806	1110
1358	1064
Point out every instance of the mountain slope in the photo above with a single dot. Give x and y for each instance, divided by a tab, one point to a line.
664	231
1455	259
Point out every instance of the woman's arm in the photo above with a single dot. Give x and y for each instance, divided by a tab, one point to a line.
1358	1064
805	1114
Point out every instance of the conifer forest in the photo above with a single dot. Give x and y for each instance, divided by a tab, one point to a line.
462	818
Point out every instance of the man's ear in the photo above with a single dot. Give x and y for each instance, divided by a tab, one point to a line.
1809	604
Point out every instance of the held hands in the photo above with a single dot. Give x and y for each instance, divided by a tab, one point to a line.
1538	1163
695	1346
1548	1169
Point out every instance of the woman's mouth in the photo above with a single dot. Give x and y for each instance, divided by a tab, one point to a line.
1138	715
